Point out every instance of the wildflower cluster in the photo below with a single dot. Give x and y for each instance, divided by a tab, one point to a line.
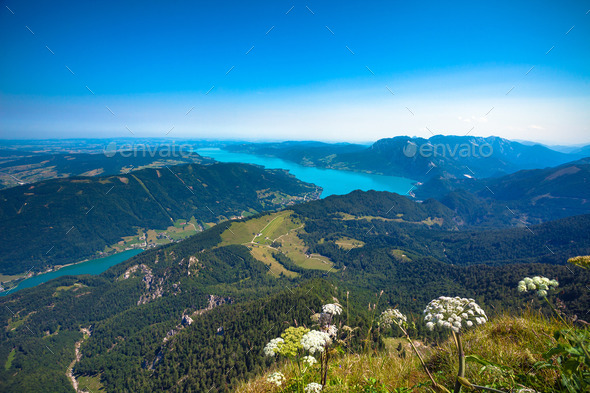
393	316
273	346
537	283
288	344
332	308
292	344
332	331
296	341
581	261
276	378
315	341
309	360
313	388
453	313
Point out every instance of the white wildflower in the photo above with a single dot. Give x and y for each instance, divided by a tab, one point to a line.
313	388
273	346
315	341
332	331
453	313
540	284
542	293
276	378
309	360
332	308
394	316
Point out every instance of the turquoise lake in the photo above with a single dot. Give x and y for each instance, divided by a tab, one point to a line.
334	182
94	266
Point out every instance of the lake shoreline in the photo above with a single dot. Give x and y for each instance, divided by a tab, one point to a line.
94	266
332	181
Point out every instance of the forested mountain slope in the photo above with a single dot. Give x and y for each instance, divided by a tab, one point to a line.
236	301
61	221
524	197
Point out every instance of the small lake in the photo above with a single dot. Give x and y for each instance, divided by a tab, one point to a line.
94	267
334	182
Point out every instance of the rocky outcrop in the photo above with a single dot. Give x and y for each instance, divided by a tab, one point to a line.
186	320
153	286
214	301
194	266
144	269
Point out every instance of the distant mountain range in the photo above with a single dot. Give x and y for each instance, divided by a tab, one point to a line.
524	197
419	158
60	221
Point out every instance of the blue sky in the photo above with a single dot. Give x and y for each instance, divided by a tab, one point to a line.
151	62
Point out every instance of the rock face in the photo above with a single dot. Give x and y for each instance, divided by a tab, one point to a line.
153	286
193	266
214	301
186	320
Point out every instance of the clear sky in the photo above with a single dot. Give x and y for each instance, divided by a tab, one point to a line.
323	70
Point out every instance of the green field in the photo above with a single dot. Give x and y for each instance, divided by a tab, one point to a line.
348	243
400	255
247	232
264	255
63	288
8	363
90	383
181	229
281	227
281	224
6	278
346	217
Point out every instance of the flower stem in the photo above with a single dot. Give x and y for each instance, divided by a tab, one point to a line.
461	355
554	310
372	320
488	389
325	367
300	376
417	354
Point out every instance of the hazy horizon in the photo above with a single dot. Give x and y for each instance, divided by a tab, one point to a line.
139	139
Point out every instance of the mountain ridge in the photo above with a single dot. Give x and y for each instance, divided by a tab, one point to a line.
419	158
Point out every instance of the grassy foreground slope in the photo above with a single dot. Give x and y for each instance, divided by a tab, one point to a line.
515	343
